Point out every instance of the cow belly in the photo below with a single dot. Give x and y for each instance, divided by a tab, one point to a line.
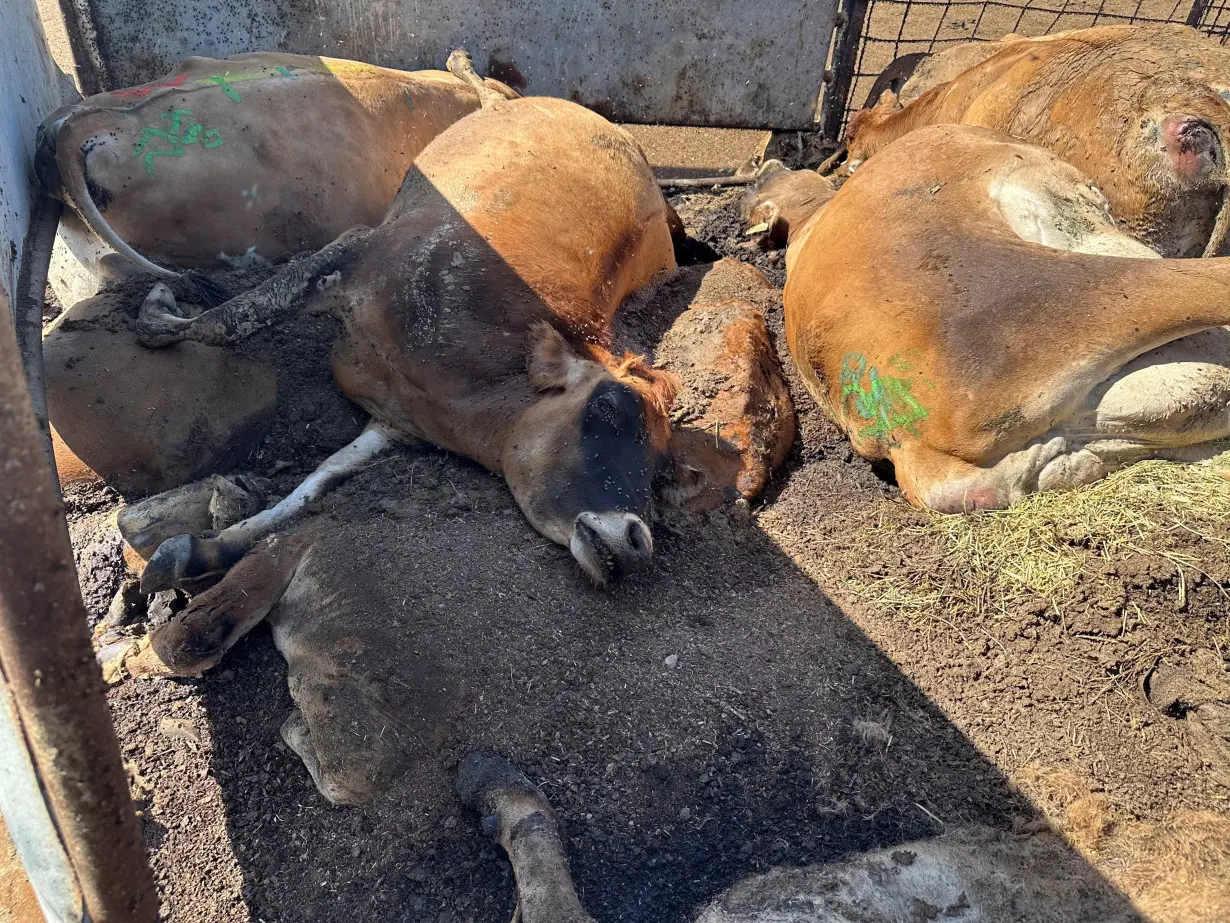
1172	402
1175	395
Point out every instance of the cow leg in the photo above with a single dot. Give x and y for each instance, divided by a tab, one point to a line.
519	817
189	557
161	322
297	734
198	637
947	484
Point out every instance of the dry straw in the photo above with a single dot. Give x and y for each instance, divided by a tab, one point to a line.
992	562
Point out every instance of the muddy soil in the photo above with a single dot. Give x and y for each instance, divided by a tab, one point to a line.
718	713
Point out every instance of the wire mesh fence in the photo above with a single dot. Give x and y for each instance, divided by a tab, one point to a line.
894	28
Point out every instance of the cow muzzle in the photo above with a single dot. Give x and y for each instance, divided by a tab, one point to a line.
1192	146
609	544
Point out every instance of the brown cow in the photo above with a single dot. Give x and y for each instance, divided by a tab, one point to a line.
911	75
1138	109
257	155
477	317
991	332
944	65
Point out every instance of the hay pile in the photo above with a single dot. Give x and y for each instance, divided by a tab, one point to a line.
1045	549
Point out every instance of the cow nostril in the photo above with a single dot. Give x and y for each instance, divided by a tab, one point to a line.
636	538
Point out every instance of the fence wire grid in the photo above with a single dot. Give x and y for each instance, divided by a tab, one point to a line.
894	28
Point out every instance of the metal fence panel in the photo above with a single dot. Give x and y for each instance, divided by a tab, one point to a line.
687	62
893	28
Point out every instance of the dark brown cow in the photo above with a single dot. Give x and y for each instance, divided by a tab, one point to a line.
258	155
477	317
1140	110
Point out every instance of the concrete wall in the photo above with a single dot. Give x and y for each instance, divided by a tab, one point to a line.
29	89
748	63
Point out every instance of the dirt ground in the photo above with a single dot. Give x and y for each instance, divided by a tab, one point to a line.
793	721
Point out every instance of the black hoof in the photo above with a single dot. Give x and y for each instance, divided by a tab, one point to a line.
483	775
184	558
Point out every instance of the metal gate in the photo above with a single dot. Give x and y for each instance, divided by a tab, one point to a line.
880	31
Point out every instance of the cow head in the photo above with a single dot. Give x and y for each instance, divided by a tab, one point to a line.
782	201
580	460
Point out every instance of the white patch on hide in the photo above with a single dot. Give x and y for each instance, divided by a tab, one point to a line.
1074	219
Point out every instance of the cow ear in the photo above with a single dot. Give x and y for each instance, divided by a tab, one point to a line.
551	362
766	221
663	386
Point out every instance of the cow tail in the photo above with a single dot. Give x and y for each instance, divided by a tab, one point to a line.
79	194
461	65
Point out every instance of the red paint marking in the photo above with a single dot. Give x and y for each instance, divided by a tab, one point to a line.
142	92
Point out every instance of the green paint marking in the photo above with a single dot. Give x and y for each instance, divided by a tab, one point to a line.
224	84
173	136
224	81
884	400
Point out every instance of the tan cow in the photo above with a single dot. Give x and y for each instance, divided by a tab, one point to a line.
1139	109
966	308
257	155
477	317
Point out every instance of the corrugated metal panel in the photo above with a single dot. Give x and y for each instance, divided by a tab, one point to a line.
686	62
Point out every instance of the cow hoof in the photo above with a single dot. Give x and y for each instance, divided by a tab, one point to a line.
122	658
160	322
183	559
482	776
112	653
127	606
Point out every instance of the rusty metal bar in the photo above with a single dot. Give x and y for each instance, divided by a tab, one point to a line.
48	665
1196	17
851	17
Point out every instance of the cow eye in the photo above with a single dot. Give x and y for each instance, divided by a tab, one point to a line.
609	408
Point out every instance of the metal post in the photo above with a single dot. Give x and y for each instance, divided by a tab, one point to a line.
1196	16
54	684
851	17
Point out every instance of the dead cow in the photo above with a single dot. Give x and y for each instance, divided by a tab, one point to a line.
970	875
477	317
257	155
991	332
1140	110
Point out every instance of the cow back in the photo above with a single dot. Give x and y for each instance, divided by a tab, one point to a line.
261	154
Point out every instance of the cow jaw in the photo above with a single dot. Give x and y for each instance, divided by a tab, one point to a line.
607	544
